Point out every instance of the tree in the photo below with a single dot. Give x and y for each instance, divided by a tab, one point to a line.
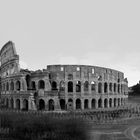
135	90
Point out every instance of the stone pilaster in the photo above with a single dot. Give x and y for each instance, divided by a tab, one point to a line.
82	104
96	87
89	103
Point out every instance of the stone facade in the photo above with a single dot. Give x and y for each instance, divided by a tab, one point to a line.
59	87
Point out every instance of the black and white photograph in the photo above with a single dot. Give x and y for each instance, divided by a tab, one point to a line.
69	70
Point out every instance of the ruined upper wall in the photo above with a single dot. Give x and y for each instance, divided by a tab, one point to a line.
7	52
9	60
87	71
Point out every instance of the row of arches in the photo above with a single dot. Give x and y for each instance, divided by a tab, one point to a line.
71	104
18	104
11	86
102	87
87	104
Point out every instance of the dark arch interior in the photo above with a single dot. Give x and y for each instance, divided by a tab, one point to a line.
105	103
18	85
99	103
110	102
100	87
18	104
51	104
25	104
105	87
86	104
12	85
78	104
41	84
93	103
70	86
62	104
54	85
33	85
78	86
41	104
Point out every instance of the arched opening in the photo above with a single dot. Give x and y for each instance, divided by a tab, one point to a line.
114	87
121	88
25	104
78	86
99	87
7	103
93	103
62	104
86	84
62	86
12	85
51	104
41	104
118	88
41	84
33	85
115	102
18	85
12	103
93	86
110	102
7	86
28	80
54	85
110	87
105	87
100	103
119	102
3	87
70	86
18	104
70	104
78	104
86	103
105	103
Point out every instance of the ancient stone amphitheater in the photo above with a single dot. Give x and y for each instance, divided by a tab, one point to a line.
59	87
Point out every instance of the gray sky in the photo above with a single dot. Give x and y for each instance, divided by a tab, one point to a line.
102	32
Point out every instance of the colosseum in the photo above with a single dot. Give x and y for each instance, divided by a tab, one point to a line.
59	87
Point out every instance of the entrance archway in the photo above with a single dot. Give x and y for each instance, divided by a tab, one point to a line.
18	104
100	103
105	103
41	104
51	104
70	104
78	104
110	102
25	104
86	104
115	102
62	104
12	103
93	103
70	86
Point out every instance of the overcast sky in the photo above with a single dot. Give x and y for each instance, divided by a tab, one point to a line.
103	33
